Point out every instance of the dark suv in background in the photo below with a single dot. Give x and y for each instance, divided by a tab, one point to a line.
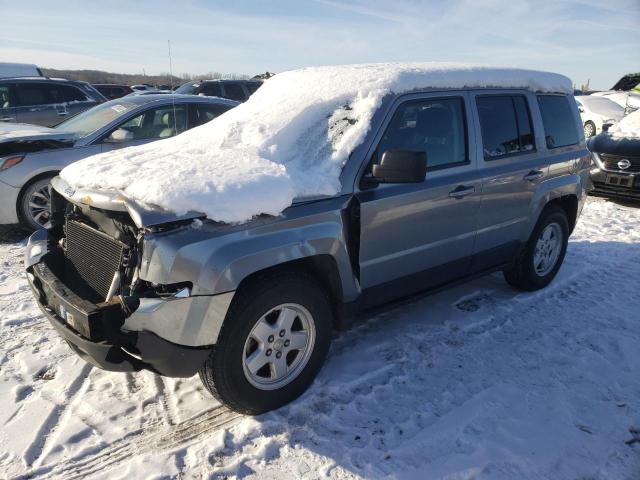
239	90
44	101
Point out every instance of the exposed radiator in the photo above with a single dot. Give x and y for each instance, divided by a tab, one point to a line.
91	257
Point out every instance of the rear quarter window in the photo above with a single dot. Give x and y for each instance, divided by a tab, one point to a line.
559	123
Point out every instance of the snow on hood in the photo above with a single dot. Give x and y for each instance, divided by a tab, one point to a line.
628	127
289	140
11	132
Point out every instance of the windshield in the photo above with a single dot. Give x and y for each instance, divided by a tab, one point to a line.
95	118
188	88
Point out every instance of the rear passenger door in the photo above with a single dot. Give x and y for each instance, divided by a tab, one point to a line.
417	236
512	168
7	103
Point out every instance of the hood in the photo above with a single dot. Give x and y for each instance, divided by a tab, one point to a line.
13	132
143	216
619	146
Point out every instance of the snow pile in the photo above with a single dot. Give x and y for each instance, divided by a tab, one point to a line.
289	140
629	126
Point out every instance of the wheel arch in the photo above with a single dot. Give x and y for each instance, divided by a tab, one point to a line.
569	204
27	184
323	268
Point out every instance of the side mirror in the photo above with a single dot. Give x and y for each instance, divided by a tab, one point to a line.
401	166
119	136
580	108
606	126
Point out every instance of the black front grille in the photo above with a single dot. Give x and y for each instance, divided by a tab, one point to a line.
611	163
92	257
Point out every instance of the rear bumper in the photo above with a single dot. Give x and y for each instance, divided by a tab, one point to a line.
118	349
600	188
8	203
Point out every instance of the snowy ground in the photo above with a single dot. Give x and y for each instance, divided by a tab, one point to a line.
478	382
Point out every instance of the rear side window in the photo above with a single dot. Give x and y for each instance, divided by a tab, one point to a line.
32	94
67	93
434	126
5	97
211	89
253	86
559	123
203	113
234	91
505	124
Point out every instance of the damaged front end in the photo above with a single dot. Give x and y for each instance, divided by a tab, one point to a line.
85	273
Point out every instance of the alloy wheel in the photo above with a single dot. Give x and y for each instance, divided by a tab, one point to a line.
548	248
279	346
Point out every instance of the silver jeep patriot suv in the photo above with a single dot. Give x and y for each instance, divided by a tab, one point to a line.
448	184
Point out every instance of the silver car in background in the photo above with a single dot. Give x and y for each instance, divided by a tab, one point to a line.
31	155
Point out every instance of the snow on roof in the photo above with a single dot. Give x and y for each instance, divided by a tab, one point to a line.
628	127
290	139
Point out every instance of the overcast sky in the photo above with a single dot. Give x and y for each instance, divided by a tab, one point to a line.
597	40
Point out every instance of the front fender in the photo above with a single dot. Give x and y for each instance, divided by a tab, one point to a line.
216	261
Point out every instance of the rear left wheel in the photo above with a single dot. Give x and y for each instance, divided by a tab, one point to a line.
543	254
34	203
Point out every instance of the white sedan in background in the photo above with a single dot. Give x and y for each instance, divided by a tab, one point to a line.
596	111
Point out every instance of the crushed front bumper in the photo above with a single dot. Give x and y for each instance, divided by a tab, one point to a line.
106	337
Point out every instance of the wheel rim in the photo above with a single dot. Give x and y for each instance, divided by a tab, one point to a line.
589	130
38	204
548	249
279	346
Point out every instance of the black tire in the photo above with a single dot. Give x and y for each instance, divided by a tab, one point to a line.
522	275
223	373
589	129
25	216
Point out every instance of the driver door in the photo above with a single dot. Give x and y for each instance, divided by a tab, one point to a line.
418	236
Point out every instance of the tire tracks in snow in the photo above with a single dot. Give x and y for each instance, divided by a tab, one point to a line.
141	443
407	393
39	447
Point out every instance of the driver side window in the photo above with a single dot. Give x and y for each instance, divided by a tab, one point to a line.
156	123
436	126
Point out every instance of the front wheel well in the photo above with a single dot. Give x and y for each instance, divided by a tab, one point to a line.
323	268
40	176
568	203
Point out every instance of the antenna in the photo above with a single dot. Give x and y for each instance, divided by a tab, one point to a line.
173	97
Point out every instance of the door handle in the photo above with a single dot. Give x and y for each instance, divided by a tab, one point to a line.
62	114
462	191
6	119
533	175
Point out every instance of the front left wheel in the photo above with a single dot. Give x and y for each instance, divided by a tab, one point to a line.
273	343
34	203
